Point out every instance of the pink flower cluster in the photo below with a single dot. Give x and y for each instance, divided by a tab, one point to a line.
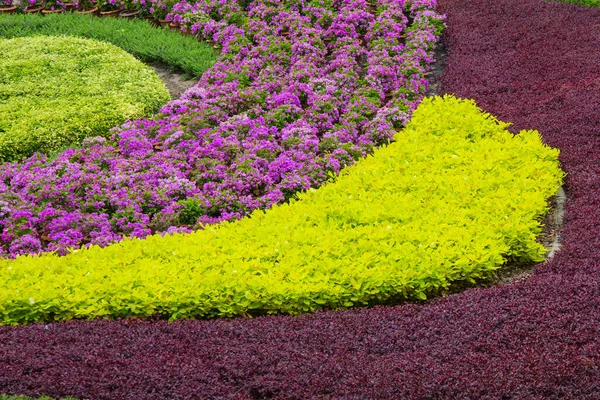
301	89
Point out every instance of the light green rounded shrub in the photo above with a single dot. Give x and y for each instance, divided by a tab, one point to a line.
56	91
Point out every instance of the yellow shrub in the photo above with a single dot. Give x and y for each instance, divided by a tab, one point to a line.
451	200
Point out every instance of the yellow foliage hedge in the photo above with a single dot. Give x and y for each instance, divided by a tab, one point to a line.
451	200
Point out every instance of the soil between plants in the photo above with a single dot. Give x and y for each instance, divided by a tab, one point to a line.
437	68
176	82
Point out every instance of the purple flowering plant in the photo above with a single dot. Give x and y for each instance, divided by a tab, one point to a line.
144	7
34	3
301	90
160	8
131	5
54	5
109	5
186	15
85	4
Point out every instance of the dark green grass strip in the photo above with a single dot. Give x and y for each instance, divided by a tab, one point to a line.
589	3
147	43
18	397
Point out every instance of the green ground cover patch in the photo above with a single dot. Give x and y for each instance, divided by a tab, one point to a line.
137	37
55	91
18	397
589	3
454	198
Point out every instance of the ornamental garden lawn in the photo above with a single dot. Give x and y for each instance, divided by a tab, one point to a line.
304	174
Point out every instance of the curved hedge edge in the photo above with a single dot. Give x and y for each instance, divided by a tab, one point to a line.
227	179
387	229
146	42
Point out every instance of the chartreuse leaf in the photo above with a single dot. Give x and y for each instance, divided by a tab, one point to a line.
451	200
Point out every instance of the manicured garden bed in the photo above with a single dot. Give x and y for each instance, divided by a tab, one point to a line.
535	339
279	113
388	229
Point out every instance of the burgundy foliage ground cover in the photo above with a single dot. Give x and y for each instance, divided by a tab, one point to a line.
527	61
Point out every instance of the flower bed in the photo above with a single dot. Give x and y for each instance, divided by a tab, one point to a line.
533	339
451	200
300	91
57	91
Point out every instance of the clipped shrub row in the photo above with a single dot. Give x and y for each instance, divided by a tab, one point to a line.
301	90
146	42
17	397
589	3
451	200
56	91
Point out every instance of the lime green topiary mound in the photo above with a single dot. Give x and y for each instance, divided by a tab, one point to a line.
56	91
452	200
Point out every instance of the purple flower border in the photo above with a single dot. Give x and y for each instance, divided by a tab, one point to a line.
301	90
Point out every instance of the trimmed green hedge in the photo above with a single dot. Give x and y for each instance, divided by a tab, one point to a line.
55	91
137	37
452	200
589	3
18	397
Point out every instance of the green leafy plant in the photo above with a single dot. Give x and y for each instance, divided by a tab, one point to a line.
110	5
145	42
454	198
56	91
54	5
85	4
131	5
589	3
192	210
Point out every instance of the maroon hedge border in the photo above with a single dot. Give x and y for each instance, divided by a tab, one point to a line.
527	61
